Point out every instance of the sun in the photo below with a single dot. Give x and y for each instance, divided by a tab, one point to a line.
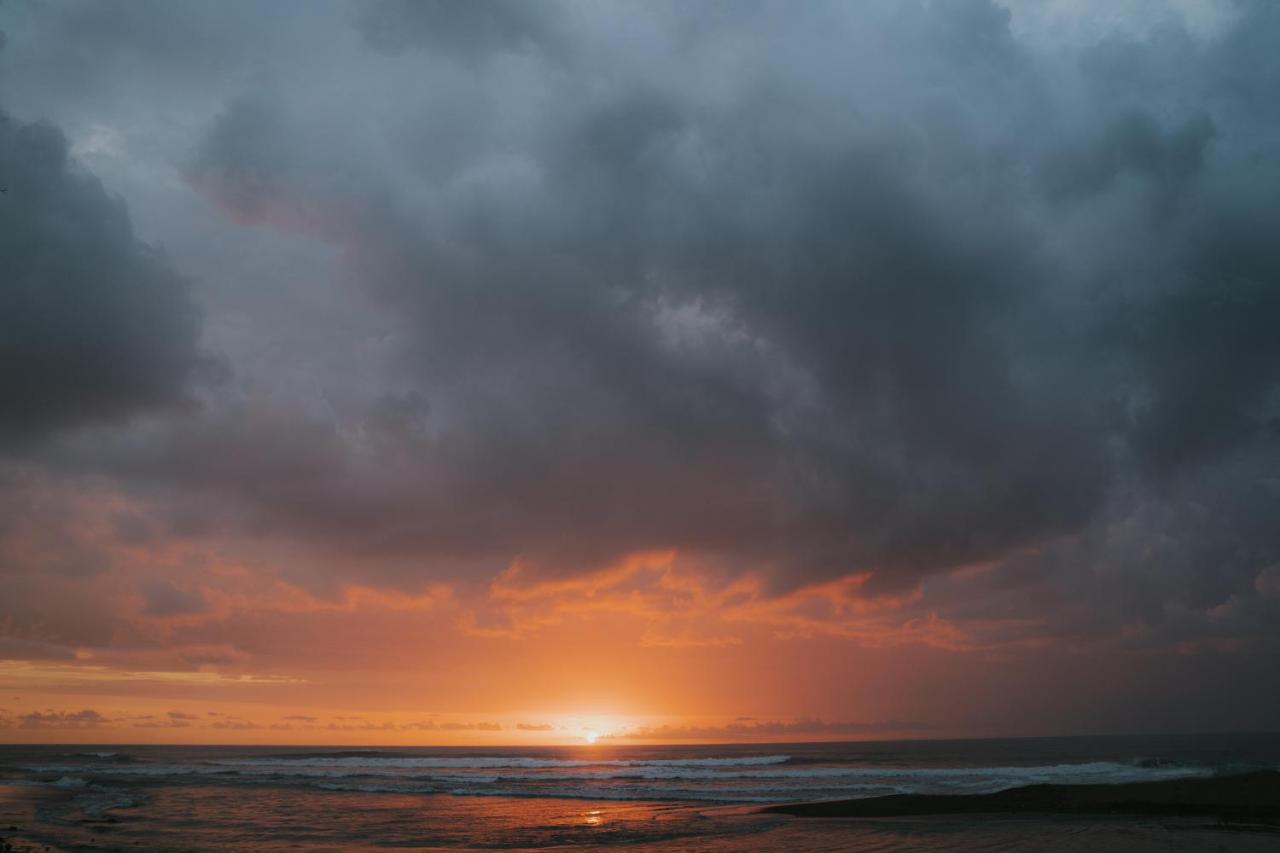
590	729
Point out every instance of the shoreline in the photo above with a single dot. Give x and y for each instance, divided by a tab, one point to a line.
655	825
18	820
1247	798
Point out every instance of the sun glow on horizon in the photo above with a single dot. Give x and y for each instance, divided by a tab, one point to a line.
591	729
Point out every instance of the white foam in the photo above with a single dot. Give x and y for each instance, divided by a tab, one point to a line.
716	779
499	762
70	782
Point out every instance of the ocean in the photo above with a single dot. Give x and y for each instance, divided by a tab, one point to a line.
687	797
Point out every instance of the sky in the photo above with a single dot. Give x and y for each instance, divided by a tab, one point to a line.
538	371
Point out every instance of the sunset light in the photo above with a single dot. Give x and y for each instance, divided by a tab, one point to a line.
521	424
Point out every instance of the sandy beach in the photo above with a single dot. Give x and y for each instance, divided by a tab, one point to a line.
18	818
164	825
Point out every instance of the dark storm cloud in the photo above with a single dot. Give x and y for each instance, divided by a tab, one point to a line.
94	325
162	598
822	323
810	355
144	46
18	649
877	288
49	560
458	28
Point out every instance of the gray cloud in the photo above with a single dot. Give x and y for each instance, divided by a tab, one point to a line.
12	648
93	324
457	28
879	289
534	727
835	327
162	598
87	718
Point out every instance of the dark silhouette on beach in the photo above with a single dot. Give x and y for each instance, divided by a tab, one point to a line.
1244	798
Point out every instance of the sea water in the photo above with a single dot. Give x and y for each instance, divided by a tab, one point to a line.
683	796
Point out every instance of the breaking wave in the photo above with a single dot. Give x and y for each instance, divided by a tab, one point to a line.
761	778
403	761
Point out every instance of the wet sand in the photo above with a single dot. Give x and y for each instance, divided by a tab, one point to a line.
1250	799
193	819
18	816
